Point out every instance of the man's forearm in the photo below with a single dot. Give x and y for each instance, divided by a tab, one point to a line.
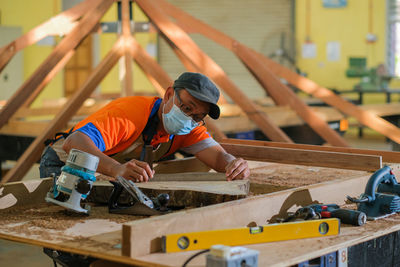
215	157
82	142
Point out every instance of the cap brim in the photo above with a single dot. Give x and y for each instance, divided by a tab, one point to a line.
214	109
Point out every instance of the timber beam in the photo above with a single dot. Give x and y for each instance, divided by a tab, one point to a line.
306	157
387	156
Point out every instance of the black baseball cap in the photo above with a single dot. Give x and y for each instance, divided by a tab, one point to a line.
201	88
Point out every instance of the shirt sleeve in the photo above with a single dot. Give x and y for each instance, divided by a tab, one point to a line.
198	140
199	146
94	134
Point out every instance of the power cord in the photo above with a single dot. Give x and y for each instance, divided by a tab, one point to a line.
194	256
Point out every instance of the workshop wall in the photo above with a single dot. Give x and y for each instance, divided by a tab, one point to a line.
336	34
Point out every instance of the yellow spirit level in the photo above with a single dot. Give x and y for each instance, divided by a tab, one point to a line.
250	235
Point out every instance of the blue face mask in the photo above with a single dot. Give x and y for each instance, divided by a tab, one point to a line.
176	122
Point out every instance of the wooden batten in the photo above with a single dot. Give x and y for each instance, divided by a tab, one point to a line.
211	69
387	156
259	210
306	157
127	83
32	154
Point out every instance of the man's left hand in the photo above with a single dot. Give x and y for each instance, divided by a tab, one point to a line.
237	169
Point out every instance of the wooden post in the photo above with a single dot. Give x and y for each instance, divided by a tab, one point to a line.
57	25
283	95
69	42
211	69
127	85
32	154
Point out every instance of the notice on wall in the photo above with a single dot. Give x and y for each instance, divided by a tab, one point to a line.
333	51
309	50
334	3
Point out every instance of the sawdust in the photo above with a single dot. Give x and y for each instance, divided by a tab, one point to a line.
289	176
43	219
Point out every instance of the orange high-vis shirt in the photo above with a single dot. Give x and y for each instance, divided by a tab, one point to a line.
122	121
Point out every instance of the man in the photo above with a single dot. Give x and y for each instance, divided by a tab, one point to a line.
119	133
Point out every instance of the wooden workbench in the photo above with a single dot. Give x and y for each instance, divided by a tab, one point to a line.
77	234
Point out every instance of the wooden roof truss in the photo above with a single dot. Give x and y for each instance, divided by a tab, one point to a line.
78	22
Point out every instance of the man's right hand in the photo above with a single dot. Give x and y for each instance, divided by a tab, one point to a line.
135	170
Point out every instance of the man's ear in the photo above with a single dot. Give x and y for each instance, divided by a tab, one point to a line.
168	93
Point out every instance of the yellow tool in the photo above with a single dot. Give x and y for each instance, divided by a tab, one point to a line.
250	235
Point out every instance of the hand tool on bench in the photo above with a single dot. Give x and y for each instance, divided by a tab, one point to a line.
381	195
142	204
250	235
318	211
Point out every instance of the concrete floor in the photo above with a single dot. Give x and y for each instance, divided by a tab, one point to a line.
20	255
